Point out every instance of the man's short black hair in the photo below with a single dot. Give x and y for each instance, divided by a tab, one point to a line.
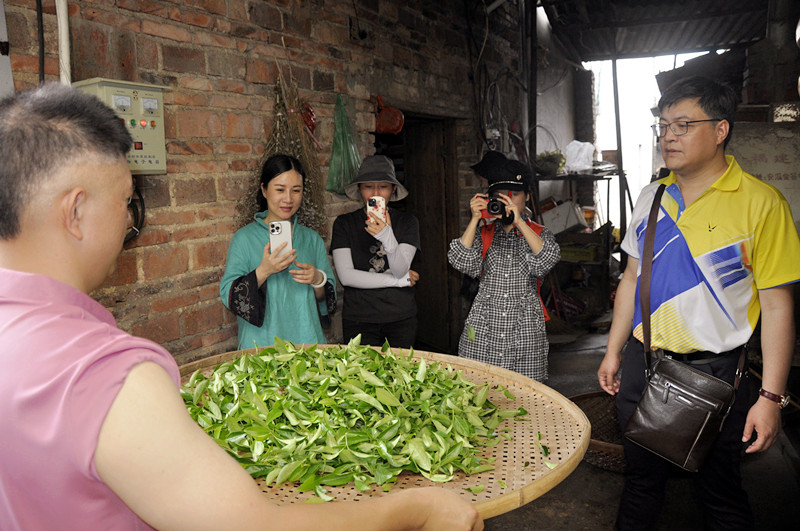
718	100
44	129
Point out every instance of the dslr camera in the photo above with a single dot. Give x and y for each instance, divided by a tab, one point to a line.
496	208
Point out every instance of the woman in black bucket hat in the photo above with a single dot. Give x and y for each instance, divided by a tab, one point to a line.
376	169
373	256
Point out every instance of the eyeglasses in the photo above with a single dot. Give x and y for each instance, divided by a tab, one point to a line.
678	128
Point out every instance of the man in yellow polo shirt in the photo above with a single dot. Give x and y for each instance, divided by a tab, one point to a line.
726	251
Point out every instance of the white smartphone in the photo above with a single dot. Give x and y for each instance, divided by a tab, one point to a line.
377	206
279	232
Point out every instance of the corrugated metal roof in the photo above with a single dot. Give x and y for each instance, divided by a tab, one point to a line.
592	30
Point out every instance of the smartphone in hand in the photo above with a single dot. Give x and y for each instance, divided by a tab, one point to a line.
377	206
279	232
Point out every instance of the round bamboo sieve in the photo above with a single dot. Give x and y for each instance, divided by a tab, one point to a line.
521	474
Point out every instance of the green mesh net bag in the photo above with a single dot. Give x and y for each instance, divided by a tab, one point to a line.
344	157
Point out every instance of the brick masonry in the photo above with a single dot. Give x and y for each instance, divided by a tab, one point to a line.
219	60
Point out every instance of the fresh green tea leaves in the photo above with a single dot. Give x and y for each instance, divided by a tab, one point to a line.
480	398
386	397
422	370
346	414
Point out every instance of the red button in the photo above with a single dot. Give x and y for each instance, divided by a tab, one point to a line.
143	123
138	146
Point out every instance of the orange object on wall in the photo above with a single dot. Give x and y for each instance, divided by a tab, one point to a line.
389	120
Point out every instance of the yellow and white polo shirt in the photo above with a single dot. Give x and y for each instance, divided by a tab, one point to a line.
711	258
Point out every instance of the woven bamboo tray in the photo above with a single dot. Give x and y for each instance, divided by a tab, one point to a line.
520	475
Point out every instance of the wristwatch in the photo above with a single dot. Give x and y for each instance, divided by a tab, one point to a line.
782	400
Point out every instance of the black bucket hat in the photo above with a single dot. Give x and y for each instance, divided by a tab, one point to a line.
376	169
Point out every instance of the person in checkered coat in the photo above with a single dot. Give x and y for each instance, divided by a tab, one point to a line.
506	324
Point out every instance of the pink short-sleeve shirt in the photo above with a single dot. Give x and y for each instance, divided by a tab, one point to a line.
62	362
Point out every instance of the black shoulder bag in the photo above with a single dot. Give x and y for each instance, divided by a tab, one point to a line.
682	409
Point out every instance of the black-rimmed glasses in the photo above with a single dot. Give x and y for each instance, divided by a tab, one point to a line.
678	127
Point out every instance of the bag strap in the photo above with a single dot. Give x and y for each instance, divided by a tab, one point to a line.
647	272
487	235
644	288
740	367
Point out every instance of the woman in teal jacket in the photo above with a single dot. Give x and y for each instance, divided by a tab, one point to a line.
278	295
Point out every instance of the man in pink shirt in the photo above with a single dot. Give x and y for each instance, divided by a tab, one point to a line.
95	434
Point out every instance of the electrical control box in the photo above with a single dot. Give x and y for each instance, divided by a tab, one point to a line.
141	108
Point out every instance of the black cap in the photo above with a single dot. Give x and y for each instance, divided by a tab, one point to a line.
490	165
514	176
503	173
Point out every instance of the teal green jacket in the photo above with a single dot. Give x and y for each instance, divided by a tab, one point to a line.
291	311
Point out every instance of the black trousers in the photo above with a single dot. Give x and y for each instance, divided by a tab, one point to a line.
399	334
718	483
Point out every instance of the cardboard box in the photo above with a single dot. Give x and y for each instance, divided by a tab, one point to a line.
565	216
574	253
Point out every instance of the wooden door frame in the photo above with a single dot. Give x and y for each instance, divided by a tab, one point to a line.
452	223
449	185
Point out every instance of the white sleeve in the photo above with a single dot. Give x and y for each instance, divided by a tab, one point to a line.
399	256
355	278
638	222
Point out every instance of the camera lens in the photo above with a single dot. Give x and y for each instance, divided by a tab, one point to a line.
495	207
372	202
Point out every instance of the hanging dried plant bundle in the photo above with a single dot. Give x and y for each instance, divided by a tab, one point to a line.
290	136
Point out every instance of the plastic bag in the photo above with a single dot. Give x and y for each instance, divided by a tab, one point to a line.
344	157
579	157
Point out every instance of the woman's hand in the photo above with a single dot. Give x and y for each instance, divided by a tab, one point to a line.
477	204
306	274
374	224
512	210
272	263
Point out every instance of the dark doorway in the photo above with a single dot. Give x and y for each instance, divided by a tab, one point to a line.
425	161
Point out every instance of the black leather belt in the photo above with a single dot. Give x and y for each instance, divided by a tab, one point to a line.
703	356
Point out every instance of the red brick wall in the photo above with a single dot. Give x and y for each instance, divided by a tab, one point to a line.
218	60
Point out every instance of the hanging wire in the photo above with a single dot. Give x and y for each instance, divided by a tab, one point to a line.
40	34
362	34
136	207
478	70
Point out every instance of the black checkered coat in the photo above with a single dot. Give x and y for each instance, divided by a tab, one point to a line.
506	317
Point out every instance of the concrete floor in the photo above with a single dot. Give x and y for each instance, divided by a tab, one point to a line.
588	498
